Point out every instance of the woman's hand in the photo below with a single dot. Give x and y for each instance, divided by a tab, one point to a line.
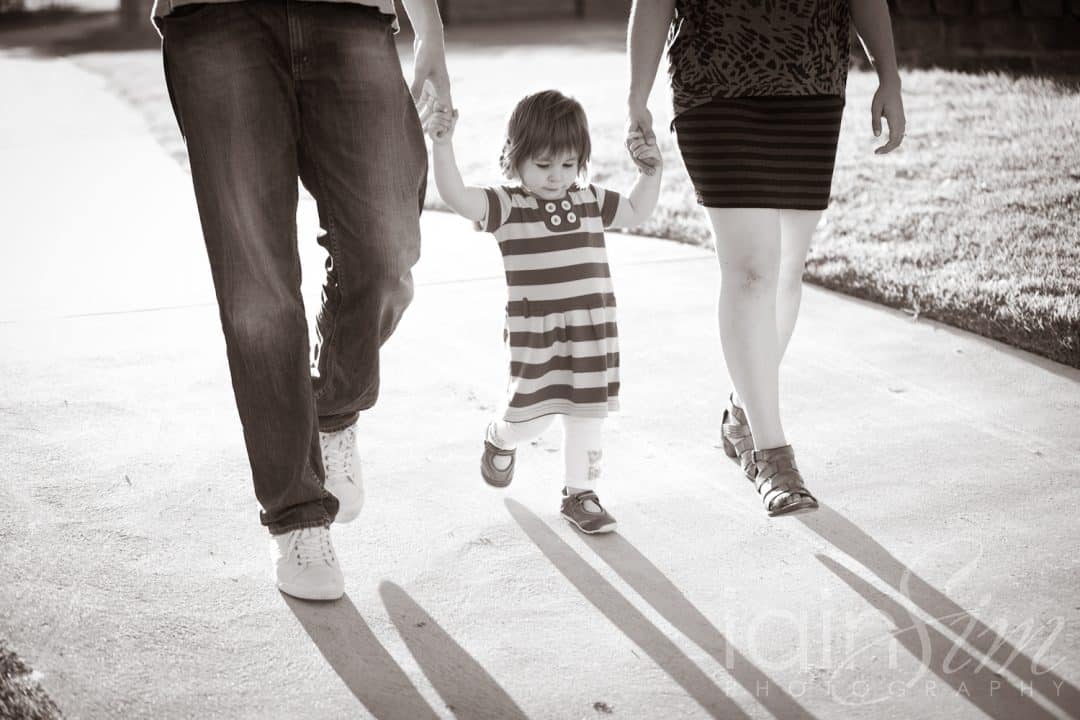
640	137
887	102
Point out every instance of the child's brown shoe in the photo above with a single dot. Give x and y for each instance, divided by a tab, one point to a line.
584	511
493	475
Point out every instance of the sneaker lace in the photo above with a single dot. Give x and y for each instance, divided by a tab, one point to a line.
312	545
337	451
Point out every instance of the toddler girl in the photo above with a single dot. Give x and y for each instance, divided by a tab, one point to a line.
560	317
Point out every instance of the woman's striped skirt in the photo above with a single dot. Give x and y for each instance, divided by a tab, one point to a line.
762	152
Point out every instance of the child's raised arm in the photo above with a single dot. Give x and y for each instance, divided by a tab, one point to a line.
643	196
468	202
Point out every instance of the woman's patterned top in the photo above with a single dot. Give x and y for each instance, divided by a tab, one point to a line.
740	48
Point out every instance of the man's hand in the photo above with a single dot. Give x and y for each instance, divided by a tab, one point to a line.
639	137
888	103
431	81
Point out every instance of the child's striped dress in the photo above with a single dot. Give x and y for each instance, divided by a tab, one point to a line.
560	314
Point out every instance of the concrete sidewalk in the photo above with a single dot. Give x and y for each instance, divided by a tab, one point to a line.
135	574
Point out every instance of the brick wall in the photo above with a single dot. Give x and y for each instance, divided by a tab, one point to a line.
465	11
1023	34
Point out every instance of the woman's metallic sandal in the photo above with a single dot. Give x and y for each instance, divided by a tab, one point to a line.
736	437
776	476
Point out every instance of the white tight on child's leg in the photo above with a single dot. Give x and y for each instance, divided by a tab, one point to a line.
507	435
583	450
582	446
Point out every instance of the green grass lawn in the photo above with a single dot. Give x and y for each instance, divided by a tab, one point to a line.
975	221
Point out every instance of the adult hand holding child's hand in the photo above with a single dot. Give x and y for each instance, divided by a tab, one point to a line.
430	77
644	151
640	137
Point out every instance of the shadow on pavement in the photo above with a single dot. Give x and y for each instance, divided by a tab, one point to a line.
646	579
843	534
468	690
607	599
360	660
989	692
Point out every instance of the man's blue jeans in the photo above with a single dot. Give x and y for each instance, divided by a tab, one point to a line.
266	91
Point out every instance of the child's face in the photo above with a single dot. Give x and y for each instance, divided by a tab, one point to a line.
551	175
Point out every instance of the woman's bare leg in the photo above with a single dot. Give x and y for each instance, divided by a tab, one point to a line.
748	248
796	232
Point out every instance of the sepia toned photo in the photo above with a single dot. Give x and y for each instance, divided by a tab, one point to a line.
568	360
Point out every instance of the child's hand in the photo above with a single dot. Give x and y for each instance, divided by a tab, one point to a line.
438	122
887	102
648	158
644	151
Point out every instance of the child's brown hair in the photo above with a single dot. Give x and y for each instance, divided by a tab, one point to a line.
545	123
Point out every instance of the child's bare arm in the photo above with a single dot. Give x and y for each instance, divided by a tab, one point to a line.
468	202
643	196
871	18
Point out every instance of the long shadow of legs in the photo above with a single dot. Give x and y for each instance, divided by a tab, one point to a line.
945	658
360	660
467	689
647	580
845	535
606	598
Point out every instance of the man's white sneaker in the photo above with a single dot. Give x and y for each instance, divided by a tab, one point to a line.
341	461
307	567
